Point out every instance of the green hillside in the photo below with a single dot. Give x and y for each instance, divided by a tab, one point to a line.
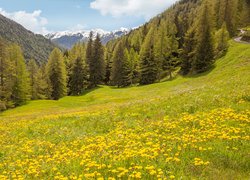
191	127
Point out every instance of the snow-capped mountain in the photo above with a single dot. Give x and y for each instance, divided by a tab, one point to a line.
67	39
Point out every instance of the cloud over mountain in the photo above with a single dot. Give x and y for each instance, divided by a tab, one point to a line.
32	21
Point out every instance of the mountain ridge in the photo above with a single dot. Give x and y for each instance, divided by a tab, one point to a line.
67	39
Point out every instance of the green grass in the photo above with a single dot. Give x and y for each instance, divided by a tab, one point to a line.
50	126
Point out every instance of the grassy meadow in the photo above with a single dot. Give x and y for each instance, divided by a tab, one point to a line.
195	127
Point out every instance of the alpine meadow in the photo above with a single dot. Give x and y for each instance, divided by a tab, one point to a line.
169	99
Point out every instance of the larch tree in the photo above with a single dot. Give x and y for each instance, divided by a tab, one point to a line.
20	76
5	76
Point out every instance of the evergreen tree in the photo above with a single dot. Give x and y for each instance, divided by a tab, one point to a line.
20	76
204	53
96	63
148	64
171	57
77	56
127	70
56	72
33	70
89	50
222	37
121	74
78	82
134	59
117	65
44	85
188	52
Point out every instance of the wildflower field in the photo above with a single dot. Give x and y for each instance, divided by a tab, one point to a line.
188	128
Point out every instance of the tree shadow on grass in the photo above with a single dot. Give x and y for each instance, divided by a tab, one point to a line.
192	76
87	91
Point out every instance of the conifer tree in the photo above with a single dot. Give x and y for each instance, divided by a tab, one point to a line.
171	57
188	52
89	49
148	64
77	61
78	82
117	65
5	76
96	63
33	70
204	50
20	76
222	37
56	72
121	74
44	88
134	65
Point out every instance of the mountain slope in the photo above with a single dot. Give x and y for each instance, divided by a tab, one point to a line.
139	130
67	39
34	46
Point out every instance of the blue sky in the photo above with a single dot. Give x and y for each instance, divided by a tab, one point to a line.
42	16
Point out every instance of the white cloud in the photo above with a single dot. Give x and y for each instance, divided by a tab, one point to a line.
31	21
144	8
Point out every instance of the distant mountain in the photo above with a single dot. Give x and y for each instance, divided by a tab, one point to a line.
67	39
33	45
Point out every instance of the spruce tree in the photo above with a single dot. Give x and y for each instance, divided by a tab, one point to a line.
148	64
78	80
56	72
20	76
222	37
96	63
134	64
121	74
117	65
89	49
188	52
204	50
127	70
171	56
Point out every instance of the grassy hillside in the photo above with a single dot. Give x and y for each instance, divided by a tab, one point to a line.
192	127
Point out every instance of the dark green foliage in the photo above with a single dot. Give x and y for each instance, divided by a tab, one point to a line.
121	74
96	63
148	63
222	37
56	73
78	81
188	52
204	54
